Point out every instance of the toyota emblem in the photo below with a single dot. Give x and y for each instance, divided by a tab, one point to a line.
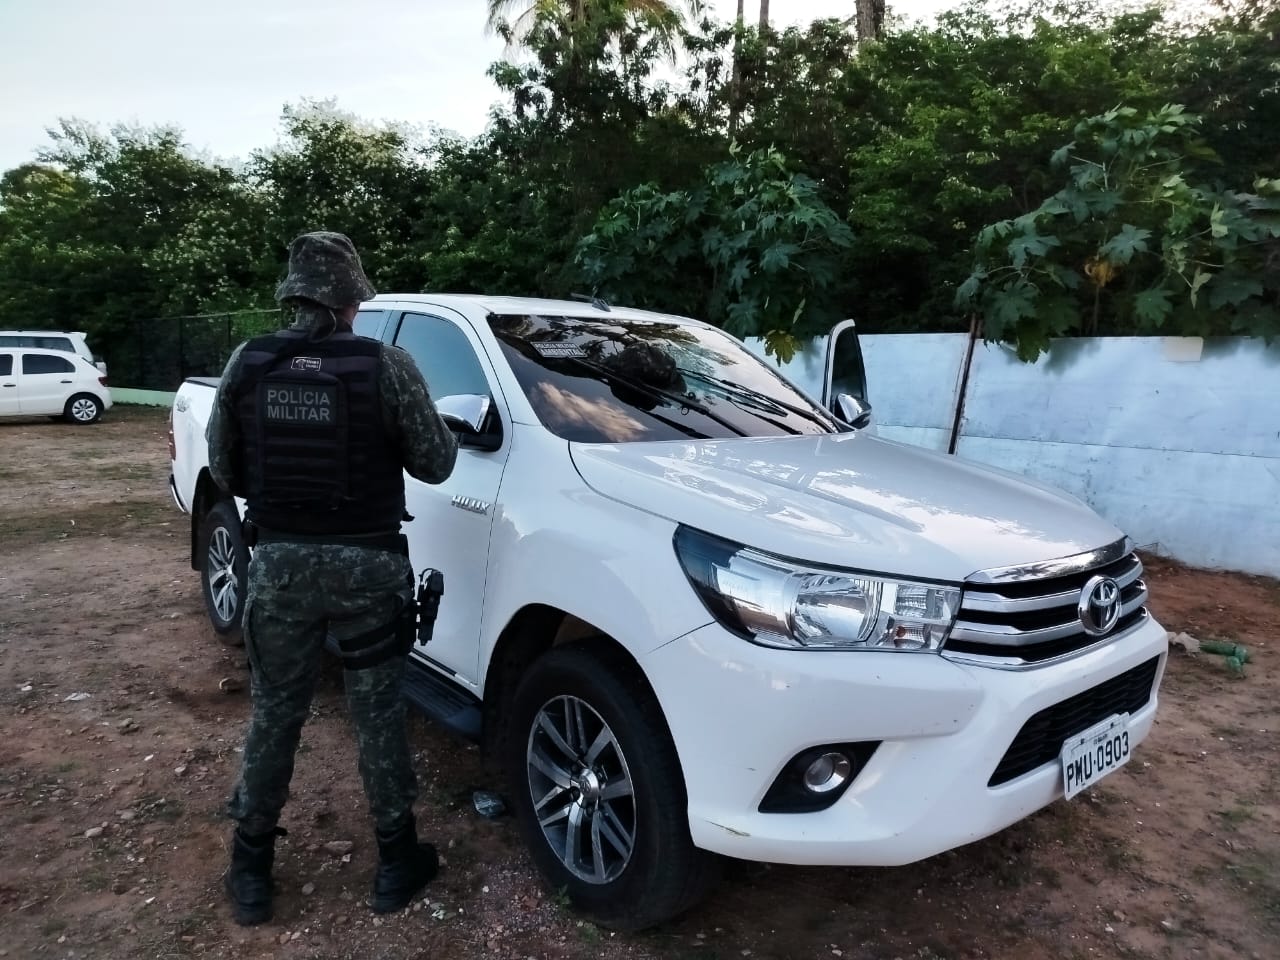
1099	606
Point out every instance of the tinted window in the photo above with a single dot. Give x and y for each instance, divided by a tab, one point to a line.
617	381
41	363
36	342
444	355
367	323
6	364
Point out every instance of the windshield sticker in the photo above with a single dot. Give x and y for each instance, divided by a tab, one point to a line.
558	351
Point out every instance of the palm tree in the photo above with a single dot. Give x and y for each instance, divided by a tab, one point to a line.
662	17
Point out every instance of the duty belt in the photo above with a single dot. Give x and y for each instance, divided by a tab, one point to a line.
391	540
415	619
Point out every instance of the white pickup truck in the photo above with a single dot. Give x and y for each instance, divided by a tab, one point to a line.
725	618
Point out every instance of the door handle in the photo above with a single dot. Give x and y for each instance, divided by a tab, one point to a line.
64	381
10	384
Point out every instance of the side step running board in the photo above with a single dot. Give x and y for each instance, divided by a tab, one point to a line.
454	709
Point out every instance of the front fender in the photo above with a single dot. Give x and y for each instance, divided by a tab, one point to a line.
613	567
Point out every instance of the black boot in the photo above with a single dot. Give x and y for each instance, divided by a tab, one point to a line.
405	866
248	879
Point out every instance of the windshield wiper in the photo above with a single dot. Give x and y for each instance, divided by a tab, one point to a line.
735	391
676	398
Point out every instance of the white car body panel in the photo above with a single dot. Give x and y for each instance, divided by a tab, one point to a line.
850	501
68	341
46	394
737	711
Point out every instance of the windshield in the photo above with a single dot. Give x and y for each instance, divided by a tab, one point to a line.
619	381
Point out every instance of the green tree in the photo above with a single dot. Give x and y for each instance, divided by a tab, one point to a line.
110	228
1138	241
659	17
753	249
332	171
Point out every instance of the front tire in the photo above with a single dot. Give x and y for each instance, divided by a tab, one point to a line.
82	409
224	571
598	792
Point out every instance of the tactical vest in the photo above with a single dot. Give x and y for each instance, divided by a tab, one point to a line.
317	458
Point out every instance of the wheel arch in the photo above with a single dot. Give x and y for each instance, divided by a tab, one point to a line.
531	633
207	494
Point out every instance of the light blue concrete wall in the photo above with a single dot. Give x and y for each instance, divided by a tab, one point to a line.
1175	440
150	398
913	381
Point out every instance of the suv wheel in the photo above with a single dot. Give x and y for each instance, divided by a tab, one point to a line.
83	408
224	572
598	791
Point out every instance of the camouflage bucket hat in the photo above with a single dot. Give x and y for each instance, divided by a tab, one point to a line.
325	267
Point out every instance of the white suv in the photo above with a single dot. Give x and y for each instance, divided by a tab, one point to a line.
66	341
51	383
694	611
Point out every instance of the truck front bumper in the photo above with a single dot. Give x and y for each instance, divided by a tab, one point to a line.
740	712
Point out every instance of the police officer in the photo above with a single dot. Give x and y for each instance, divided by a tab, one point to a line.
313	426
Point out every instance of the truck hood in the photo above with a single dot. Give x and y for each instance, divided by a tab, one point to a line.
851	500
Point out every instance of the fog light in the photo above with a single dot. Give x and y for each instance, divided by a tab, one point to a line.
829	772
816	778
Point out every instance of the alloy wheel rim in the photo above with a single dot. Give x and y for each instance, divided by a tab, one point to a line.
224	585
581	789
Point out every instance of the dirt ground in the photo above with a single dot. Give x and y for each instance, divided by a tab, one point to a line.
117	749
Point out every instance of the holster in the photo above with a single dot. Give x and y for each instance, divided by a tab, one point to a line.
430	591
415	621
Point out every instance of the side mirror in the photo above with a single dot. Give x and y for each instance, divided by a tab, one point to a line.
467	414
855	412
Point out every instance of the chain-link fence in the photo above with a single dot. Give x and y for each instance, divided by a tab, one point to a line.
158	354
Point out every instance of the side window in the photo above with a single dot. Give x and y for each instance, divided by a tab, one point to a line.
43	363
444	355
52	343
9	340
6	364
368	323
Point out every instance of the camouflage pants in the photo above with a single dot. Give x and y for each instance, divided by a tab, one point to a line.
298	593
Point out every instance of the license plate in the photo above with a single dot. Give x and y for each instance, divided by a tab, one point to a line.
1089	756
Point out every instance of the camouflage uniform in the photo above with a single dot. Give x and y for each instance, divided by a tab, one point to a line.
296	591
299	592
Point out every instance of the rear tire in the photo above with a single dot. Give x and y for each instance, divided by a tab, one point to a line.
224	571
82	409
589	755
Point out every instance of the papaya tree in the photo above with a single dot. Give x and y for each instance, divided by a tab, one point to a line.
1140	240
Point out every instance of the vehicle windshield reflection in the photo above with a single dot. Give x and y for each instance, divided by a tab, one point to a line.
619	381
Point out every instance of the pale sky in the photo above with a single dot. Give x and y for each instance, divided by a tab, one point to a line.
222	70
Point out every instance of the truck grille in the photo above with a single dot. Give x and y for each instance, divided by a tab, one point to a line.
1040	739
1025	622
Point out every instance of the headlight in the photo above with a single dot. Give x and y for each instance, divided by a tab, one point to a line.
779	604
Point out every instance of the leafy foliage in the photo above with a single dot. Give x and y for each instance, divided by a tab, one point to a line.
753	249
1138	241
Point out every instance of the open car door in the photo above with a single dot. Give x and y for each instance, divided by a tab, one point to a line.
844	381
